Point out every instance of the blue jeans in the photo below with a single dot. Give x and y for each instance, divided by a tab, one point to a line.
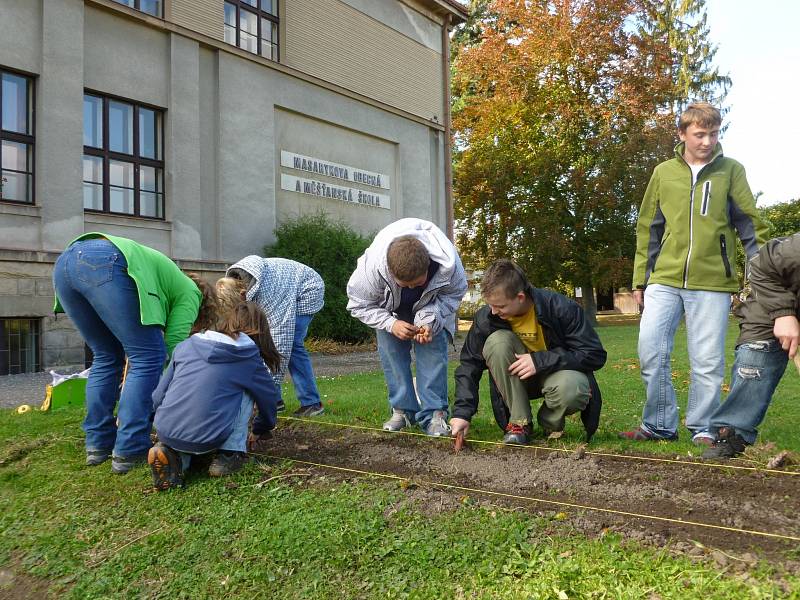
92	282
755	374
237	440
706	324
305	384
431	359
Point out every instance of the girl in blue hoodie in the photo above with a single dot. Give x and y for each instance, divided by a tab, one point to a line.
205	398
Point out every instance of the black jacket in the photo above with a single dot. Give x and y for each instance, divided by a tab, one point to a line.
572	344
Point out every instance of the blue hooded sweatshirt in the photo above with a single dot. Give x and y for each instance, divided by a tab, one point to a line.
200	393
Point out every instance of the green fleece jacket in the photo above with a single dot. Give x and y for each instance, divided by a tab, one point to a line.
685	233
167	297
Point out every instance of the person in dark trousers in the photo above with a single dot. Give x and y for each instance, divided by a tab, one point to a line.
769	334
535	344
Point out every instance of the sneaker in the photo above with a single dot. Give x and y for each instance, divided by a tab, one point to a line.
166	466
309	411
97	457
517	434
728	444
281	406
398	421
122	464
226	463
437	426
641	435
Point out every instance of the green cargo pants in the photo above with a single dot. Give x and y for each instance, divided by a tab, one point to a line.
564	392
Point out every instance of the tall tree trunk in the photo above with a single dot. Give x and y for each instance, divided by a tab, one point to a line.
589	303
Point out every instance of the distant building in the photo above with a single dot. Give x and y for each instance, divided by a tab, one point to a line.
198	126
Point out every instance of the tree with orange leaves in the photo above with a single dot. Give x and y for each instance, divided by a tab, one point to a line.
559	120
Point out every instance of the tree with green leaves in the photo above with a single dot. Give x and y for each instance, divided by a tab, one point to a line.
681	27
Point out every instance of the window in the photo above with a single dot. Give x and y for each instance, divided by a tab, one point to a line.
16	137
151	7
253	26
123	166
20	346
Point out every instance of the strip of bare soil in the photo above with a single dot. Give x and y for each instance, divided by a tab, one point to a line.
736	499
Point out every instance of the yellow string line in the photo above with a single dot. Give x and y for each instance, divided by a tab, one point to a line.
550	449
534	499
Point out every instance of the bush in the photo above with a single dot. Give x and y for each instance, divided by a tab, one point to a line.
331	249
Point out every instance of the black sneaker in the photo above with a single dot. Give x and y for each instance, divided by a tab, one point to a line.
122	464
311	410
517	434
226	463
728	444
97	457
166	466
281	406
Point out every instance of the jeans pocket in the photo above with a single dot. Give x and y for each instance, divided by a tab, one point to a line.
95	267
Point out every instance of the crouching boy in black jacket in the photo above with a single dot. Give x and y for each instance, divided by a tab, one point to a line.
535	344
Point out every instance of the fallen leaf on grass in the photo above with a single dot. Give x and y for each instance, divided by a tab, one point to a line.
779	460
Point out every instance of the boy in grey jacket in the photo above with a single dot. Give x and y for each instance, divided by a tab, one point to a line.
407	286
769	334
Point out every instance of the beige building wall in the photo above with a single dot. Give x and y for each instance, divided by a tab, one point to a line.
335	42
202	16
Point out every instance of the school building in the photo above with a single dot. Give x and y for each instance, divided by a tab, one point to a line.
198	126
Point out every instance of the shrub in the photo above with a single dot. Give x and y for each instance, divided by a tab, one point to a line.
331	249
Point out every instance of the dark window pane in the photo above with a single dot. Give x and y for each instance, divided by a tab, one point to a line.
269	31
230	14
120	127
15	104
15	156
251	2
270	6
147	133
151	7
15	186
93	121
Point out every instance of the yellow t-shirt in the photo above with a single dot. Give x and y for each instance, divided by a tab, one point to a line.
528	329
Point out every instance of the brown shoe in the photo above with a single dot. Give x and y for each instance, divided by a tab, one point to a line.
166	466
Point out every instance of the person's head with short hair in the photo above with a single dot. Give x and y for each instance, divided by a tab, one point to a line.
248	318
504	289
209	306
408	261
230	292
698	129
702	114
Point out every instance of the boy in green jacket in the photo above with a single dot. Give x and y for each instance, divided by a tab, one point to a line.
685	248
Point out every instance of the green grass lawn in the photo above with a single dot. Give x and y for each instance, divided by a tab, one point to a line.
88	534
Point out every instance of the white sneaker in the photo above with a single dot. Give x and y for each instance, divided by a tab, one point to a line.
398	421
438	426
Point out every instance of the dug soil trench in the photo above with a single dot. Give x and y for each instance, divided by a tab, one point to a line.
751	500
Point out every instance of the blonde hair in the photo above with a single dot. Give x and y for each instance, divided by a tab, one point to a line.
701	114
230	292
248	318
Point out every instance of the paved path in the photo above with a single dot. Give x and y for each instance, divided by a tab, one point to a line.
29	388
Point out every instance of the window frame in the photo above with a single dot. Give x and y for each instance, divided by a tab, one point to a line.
260	14
21	138
107	155
137	6
37	349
